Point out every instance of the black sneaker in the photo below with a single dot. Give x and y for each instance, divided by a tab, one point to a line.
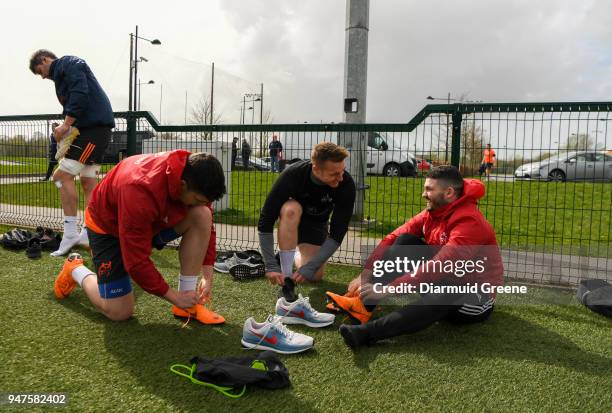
246	270
51	244
254	255
288	290
33	251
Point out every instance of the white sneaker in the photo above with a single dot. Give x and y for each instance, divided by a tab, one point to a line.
67	243
301	312
273	335
235	259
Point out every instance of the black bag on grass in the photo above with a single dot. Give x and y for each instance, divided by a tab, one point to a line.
596	295
231	375
16	239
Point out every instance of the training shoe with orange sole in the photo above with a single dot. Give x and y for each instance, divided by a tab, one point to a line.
332	307
353	306
64	283
200	313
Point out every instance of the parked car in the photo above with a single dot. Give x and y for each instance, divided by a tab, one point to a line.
117	147
570	166
382	158
254	163
423	165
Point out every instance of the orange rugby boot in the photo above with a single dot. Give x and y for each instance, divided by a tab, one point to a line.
64	283
353	306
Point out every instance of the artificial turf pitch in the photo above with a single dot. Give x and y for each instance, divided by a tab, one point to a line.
546	357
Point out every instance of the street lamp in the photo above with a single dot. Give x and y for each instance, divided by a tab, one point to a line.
258	98
150	82
134	65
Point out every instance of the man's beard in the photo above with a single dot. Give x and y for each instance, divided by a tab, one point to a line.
433	204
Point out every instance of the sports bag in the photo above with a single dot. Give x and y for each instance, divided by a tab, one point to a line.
232	375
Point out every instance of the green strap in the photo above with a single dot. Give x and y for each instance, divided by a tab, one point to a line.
181	370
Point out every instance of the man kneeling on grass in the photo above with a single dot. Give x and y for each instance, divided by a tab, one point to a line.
302	200
147	201
447	254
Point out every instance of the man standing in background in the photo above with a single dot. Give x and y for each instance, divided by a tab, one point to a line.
51	153
276	150
488	160
246	153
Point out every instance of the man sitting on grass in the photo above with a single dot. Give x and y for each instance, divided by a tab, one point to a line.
147	201
450	231
302	200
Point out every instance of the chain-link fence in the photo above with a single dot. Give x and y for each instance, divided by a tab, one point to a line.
549	185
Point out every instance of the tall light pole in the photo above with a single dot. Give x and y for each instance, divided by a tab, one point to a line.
150	82
134	66
161	94
254	97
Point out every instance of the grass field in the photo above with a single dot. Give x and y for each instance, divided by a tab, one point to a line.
30	165
548	357
572	217
13	165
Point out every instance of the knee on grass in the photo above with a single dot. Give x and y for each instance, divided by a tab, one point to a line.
119	314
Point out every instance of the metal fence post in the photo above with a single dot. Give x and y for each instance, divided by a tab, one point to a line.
456	143
131	135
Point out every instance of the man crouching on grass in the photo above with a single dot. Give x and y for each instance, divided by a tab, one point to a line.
147	201
451	251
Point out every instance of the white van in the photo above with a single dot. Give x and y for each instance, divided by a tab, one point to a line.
382	157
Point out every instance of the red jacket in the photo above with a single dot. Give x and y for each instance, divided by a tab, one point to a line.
138	198
455	225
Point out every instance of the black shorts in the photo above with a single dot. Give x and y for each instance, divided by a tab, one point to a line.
113	279
488	165
312	232
89	147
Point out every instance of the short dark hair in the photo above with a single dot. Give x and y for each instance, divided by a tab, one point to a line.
38	56
449	175
328	151
203	174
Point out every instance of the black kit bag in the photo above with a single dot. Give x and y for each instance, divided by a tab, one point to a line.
232	375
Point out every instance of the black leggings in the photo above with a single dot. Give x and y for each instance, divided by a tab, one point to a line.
426	310
52	164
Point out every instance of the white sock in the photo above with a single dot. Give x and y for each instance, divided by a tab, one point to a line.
71	236
187	282
80	273
286	261
70	226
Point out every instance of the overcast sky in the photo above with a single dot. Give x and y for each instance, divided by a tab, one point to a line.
495	51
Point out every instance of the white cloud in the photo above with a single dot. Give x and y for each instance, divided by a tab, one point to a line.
549	50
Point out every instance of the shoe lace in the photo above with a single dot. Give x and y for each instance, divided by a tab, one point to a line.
306	303
278	325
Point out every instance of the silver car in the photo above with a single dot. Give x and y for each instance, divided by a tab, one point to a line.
570	166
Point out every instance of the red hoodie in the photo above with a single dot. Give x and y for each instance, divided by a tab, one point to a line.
138	198
459	223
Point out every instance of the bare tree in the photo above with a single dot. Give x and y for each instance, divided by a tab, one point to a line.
579	142
472	146
200	115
